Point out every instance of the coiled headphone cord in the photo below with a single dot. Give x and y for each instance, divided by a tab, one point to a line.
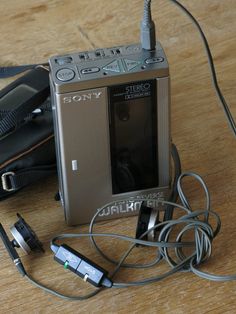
200	244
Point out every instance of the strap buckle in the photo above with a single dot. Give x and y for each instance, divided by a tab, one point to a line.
6	183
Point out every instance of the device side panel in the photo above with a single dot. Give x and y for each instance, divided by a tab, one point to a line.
164	140
57	138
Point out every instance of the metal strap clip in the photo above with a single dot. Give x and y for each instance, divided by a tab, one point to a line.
6	184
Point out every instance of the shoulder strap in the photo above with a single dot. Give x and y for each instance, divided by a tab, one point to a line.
10	181
16	105
10	71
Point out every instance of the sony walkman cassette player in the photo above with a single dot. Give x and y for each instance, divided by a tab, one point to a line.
111	112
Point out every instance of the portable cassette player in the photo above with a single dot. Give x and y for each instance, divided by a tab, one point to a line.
111	111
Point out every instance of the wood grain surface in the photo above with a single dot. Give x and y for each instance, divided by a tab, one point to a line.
32	31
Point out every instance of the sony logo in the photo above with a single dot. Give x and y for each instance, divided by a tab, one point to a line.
82	97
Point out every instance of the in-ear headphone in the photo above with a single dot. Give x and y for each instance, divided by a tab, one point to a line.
200	244
148	218
24	237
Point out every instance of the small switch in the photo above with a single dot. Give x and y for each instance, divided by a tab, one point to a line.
154	60
63	60
74	165
89	272
90	70
69	259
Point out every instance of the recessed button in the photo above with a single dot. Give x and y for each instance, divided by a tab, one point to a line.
133	48
113	66
131	64
65	74
154	60
63	60
90	70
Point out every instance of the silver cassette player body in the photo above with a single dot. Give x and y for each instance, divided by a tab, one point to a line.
111	110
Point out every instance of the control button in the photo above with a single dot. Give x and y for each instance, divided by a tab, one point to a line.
131	64
88	271
115	51
99	53
113	66
154	60
83	56
63	60
133	48
65	75
90	70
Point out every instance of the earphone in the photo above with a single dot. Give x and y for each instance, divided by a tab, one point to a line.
161	237
24	238
200	245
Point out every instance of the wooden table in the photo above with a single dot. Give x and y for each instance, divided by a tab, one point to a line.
31	32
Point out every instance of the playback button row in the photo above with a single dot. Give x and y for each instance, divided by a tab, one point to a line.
117	66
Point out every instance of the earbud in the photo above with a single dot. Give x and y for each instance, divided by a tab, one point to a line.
24	237
148	218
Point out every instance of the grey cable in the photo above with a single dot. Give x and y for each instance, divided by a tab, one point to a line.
218	91
196	220
167	216
148	40
147	28
58	294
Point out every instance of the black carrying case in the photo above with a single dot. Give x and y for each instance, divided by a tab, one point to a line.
27	150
